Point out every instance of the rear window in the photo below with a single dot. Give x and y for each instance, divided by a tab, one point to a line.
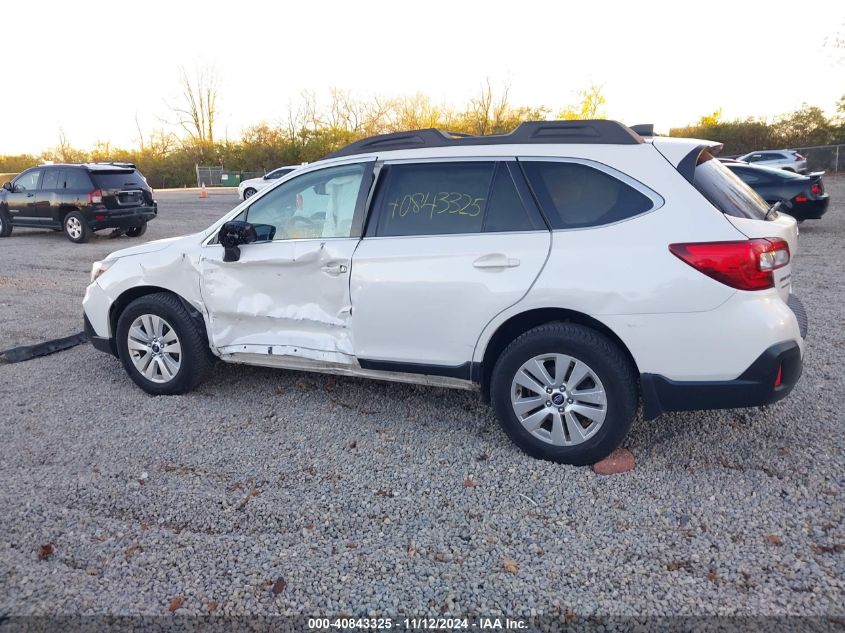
118	179
726	191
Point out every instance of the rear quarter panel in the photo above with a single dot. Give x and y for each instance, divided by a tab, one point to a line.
624	275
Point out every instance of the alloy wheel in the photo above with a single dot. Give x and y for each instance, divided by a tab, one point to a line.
559	399
154	348
74	227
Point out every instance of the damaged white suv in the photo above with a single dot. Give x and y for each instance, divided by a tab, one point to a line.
566	271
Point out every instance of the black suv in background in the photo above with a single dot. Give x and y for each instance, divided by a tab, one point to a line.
78	199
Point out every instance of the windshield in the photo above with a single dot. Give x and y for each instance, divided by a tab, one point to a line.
726	191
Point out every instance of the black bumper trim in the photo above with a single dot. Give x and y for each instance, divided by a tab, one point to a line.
754	388
463	372
100	343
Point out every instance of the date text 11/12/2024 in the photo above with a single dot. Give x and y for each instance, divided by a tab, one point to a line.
410	624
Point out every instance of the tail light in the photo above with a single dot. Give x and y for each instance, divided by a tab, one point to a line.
800	198
799	157
744	265
816	189
95	197
779	377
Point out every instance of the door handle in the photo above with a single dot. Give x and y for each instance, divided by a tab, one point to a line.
30	195
495	260
334	269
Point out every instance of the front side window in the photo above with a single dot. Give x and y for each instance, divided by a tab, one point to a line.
434	198
28	181
574	195
318	204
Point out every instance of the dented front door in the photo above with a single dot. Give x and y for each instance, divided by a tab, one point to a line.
289	296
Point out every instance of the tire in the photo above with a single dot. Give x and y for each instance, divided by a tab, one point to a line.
550	430
249	192
157	319
137	231
76	228
5	224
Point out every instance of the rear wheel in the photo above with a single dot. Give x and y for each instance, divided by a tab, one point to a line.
137	231
161	347
5	224
76	228
565	393
248	192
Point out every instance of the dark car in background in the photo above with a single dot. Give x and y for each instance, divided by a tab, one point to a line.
78	199
803	197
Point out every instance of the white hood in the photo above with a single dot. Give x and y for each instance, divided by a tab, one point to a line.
155	245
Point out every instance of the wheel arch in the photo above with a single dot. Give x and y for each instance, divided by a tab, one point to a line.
520	323
131	294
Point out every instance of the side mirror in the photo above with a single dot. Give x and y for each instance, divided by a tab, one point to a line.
7	186
232	235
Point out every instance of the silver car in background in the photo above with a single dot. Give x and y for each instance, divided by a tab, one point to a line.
252	186
787	159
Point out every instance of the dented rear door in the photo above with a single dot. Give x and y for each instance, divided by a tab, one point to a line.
289	296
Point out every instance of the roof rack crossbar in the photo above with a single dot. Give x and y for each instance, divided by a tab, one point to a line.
531	132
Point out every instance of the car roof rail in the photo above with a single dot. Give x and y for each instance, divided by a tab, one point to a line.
643	129
594	131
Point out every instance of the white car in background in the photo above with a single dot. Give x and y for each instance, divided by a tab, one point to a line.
787	159
565	271
252	186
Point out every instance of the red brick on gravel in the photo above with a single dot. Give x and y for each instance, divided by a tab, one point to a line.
619	461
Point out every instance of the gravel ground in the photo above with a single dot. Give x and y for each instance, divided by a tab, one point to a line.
274	492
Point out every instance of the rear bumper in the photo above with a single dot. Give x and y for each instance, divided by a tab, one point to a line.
120	218
755	387
810	210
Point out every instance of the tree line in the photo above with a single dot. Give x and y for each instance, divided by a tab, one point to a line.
312	129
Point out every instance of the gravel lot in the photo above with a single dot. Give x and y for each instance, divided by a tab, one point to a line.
374	498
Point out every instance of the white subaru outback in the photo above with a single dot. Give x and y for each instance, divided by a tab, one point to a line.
567	271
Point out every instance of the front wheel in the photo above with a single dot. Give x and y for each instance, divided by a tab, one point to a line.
565	393
137	231
249	192
162	349
76	228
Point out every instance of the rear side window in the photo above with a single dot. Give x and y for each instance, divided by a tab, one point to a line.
574	195
77	179
748	176
726	191
435	198
118	179
51	179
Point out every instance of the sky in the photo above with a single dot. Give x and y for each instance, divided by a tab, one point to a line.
92	68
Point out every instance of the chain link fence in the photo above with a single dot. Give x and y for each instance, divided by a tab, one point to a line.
824	157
